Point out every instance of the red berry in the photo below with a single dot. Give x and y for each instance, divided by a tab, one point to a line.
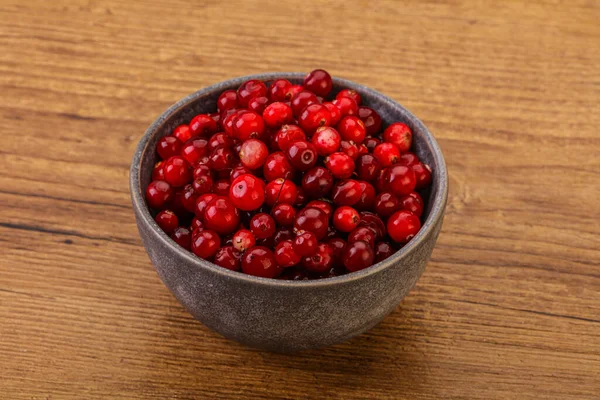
401	180
323	206
340	164
221	187
195	150
284	214
346	105
319	82
412	203
346	192
248	125
280	191
300	198
247	192
196	224
277	166
367	167
277	114
386	204
362	149
382	251
201	203
371	143
403	226
295	89
387	154
408	159
258	104
313	220
287	135
280	90
422	175
238	171
313	117
321	261
243	240
338	245
371	119
206	243
352	128
221	159
367	197
227	101
350	148
345	219
282	234
353	94
285	254
250	89
374	222
364	234
202	184
227	257
158	194
182	237
220	139
305	243
229	120
262	226
326	140
302	155
399	135
358	255
334	111
168	146
302	100
167	220
157	172
177	171
203	125
260	261
253	153
221	215
317	182
182	133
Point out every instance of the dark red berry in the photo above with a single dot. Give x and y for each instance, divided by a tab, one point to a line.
401	180
195	150
282	234
302	155
345	219
367	197
229	121
287	135
350	148
157	172
243	240
159	194
317	182
412	203
247	192
301	100
399	135
182	236
277	114
277	166
285	254
284	214
220	140
258	104
228	257
196	224
177	171
403	226
238	171
280	191
387	154
203	125
167	220
182	133
323	206
371	143
371	119
338	245
262	226
168	146
367	167
250	89
358	255
300	198
322	260
353	94
227	101
319	82
202	184
314	116
346	192
201	203
280	90
222	158
363	233
346	105
422	175
305	243
382	251
313	220
386	204
374	222
409	159
340	164
205	243
221	187
334	111
221	215
260	261
352	128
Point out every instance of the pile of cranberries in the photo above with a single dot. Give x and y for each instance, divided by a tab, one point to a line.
285	181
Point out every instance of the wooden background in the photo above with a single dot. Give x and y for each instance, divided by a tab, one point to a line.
509	306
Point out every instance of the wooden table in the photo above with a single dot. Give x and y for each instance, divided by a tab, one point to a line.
509	306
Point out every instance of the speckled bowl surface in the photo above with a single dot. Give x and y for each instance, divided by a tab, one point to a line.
281	315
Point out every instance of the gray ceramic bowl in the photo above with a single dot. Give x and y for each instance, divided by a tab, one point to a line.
286	315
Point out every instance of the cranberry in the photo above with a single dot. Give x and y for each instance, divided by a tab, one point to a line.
408	159
217	118
381	184
188	197
362	149
313	117
168	146
227	101
158	174
371	143
317	182
346	192
305	243
182	133
202	184
302	155
282	234
247	192
358	255
243	240
346	105
334	111
371	119
349	148
205	243
228	257
258	104
386	204
363	233
182	237
221	215
203	125
285	254
220	139
322	260
277	114
300	198
399	135
287	135
253	153
319	82
167	221
374	222
386	153
313	220
326	140
229	121
177	171
262	226
260	261
382	251
401	180
201	203
422	175
340	164
338	245
280	191
345	219
277	166
323	206
412	203
352	128
196	224
250	89
367	197
403	226
158	194
238	171
295	89
222	158
367	167
301	100
221	187
248	125
195	150
280	90
284	214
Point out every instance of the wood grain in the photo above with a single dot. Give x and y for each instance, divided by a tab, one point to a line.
509	306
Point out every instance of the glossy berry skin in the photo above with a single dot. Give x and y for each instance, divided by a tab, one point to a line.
300	198
202	184
345	219
373	222
353	94
313	220
262	226
277	114
367	167
346	192
248	125
195	150
409	159
283	233
362	149
403	226
422	175
196	224
401	180
341	165
206	243
260	261
238	171
258	104
371	143
371	119
323	206
322	260
412	203
314	116
247	192
367	197
277	166
159	194
399	135
346	105
177	171
363	233
221	215
317	182
220	139
228	257
352	128
230	119
221	187
222	158
302	155
338	245
280	90
319	82
182	236
202	125
168	146
305	243
334	112
167	221
287	135
350	148
285	254
386	153
227	101
280	191
182	133
243	240
250	89
201	203
382	251
326	140
253	153
386	204
358	255
302	100
157	172
283	214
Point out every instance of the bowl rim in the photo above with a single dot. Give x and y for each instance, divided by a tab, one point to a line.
144	216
